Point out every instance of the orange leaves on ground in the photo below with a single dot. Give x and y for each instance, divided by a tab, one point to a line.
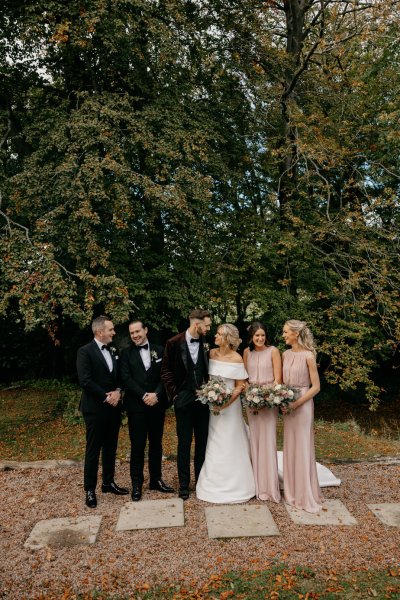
144	587
335	589
227	594
285	581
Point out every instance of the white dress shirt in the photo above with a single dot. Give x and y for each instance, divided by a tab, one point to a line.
193	347
145	356
106	353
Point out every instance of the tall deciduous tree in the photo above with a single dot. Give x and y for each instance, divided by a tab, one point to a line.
239	154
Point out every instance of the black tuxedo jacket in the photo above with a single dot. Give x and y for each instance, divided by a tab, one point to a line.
136	381
96	379
174	368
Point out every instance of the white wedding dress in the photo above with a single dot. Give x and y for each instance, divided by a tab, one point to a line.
227	475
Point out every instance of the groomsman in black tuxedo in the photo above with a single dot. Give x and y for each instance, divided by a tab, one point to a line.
101	408
145	402
184	370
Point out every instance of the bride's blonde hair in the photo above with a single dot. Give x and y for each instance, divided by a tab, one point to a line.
305	337
231	335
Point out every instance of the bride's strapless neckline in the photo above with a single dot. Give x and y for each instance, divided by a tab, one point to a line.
227	362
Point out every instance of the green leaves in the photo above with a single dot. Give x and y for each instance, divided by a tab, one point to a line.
160	156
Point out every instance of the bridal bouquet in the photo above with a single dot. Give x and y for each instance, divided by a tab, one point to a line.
281	395
255	397
214	393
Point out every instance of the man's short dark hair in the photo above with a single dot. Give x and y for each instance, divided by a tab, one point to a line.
137	321
199	313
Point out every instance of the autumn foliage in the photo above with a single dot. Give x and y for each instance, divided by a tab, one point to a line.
241	155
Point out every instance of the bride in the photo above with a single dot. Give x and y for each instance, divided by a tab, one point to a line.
227	475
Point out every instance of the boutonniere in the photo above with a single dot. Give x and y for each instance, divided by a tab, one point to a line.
206	347
153	355
113	351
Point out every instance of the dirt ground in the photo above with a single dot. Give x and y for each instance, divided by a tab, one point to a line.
120	562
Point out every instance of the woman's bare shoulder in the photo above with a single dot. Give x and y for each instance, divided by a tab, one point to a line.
236	358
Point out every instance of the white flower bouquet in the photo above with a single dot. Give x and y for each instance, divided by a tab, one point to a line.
255	397
281	395
214	393
258	396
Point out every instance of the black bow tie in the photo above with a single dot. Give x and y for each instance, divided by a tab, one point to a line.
195	340
144	347
104	347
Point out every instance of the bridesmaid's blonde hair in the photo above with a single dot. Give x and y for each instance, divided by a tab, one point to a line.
231	335
306	338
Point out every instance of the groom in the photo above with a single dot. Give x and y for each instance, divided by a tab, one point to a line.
184	370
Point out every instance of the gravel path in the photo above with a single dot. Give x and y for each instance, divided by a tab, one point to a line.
121	562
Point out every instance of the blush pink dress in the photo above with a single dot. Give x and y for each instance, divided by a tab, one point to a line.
300	480
263	430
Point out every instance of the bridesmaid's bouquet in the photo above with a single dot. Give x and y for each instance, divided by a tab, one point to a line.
214	393
255	397
258	396
281	395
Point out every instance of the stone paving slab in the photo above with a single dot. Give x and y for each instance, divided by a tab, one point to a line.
388	513
333	512
239	521
11	465
149	514
64	532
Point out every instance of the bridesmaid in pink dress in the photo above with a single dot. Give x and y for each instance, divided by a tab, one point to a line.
263	364
300	481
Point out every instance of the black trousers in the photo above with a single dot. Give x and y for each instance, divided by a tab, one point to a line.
143	426
101	435
191	419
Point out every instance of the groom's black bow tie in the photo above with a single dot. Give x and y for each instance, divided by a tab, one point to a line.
196	340
144	347
104	347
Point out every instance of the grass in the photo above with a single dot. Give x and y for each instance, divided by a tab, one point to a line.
277	582
35	426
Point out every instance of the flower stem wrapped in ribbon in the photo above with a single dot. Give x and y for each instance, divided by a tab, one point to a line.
214	393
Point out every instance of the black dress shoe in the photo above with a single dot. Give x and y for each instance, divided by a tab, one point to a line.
91	500
161	487
113	488
184	494
136	493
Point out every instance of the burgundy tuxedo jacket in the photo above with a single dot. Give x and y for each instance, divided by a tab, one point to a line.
174	370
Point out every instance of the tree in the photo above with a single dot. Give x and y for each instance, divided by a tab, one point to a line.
240	155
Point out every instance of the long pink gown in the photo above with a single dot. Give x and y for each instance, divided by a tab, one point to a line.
263	430
300	480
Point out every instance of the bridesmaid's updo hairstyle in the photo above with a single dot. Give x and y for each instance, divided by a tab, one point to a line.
305	337
252	329
230	333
